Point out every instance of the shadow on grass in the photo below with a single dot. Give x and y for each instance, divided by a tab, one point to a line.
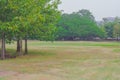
41	53
11	53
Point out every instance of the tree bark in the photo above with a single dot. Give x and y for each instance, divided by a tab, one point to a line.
26	48
3	47
19	47
117	37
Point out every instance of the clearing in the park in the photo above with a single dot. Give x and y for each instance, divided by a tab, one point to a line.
65	60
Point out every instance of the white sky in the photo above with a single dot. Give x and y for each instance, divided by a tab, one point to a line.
99	8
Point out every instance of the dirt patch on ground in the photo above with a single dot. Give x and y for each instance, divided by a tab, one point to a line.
10	75
7	73
32	77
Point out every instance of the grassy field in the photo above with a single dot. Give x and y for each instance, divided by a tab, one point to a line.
64	61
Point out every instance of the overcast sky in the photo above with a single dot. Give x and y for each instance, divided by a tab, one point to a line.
99	8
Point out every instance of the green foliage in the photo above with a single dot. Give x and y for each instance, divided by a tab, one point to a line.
109	29
28	18
78	25
112	28
116	30
44	28
7	14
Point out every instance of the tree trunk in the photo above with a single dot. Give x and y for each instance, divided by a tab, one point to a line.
117	38
26	48
19	47
3	47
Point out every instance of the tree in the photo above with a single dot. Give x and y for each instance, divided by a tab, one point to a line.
6	27
79	24
116	28
35	19
111	27
116	31
21	19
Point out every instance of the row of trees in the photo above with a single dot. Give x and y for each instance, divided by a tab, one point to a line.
78	25
21	19
81	25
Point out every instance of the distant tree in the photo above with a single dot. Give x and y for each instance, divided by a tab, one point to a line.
79	24
116	31
111	27
116	28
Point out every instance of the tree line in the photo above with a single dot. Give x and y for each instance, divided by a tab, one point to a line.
78	25
82	25
21	19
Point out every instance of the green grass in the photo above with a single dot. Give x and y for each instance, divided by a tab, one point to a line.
65	60
75	43
116	50
2	78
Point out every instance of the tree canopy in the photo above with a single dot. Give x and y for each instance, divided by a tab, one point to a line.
79	24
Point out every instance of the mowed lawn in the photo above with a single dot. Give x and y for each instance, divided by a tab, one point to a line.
64	60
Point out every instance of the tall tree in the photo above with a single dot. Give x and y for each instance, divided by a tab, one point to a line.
7	15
